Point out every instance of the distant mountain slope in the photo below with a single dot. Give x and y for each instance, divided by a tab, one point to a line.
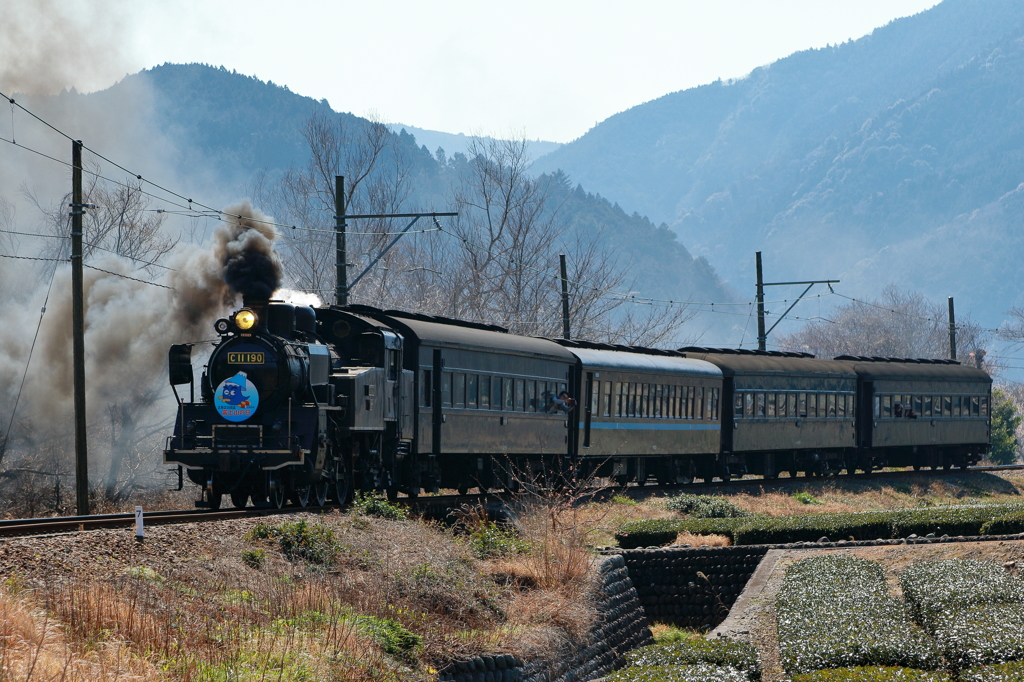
224	126
869	160
459	143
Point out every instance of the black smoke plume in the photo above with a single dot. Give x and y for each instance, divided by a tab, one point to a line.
246	249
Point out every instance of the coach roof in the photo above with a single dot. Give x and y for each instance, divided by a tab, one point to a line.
640	362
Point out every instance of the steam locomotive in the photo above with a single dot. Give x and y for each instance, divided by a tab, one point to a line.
307	405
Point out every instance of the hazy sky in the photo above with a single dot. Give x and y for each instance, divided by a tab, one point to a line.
549	70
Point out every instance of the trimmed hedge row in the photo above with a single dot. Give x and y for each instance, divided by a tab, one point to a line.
872	674
973	609
704	506
698	672
1007	524
1003	672
723	652
835	612
657	532
754	530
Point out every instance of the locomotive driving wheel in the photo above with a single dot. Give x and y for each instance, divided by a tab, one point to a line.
299	495
239	497
320	492
339	483
275	491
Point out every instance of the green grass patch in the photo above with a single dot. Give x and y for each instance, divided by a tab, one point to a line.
699	672
490	539
806	498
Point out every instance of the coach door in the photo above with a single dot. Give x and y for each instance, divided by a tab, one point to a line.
865	414
591	393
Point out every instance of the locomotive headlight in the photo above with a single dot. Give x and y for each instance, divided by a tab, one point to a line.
222	326
245	319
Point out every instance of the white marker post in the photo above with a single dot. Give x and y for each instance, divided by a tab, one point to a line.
140	530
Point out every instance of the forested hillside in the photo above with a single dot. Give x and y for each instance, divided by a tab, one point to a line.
226	125
892	158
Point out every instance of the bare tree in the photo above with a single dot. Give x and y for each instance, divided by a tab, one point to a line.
376	182
901	323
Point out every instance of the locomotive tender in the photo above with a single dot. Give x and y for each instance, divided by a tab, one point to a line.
308	405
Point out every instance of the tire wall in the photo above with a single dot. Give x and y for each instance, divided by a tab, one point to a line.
621	626
691	586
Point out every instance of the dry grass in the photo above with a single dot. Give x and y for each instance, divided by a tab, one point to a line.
701	540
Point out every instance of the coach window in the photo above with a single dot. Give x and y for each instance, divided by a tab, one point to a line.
927	406
531	396
428	388
472	388
446	389
714	404
485	393
984	406
698	403
937	407
886	406
947	406
812	405
737	405
460	389
801	405
759	405
770	402
782	405
520	386
831	401
508	389
607	399
957	405
841	405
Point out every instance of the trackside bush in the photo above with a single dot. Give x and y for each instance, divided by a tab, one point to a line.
1003	672
705	506
723	652
836	612
312	542
973	609
374	504
699	672
872	674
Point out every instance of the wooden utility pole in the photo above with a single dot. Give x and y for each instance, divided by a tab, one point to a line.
762	338
565	297
341	248
952	331
78	329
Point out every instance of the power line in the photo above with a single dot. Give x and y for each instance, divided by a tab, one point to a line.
116	274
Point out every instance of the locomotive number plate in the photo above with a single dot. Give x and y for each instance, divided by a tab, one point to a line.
245	358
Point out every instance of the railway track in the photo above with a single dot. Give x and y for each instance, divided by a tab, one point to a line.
436	506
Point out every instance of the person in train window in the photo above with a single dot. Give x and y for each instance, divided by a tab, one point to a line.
897	410
563	402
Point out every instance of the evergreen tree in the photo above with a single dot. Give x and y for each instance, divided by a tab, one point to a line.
1005	421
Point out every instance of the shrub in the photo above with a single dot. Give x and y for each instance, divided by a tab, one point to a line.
374	504
699	672
723	652
974	609
1003	672
314	543
254	558
871	674
836	612
489	539
705	506
622	499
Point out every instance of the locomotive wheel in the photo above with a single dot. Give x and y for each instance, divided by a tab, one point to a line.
215	499
793	473
340	487
299	496
276	492
320	492
239	497
462	489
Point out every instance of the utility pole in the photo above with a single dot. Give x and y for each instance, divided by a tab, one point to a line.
341	247
952	331
762	337
565	297
78	329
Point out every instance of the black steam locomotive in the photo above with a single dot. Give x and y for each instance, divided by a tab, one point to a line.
307	405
